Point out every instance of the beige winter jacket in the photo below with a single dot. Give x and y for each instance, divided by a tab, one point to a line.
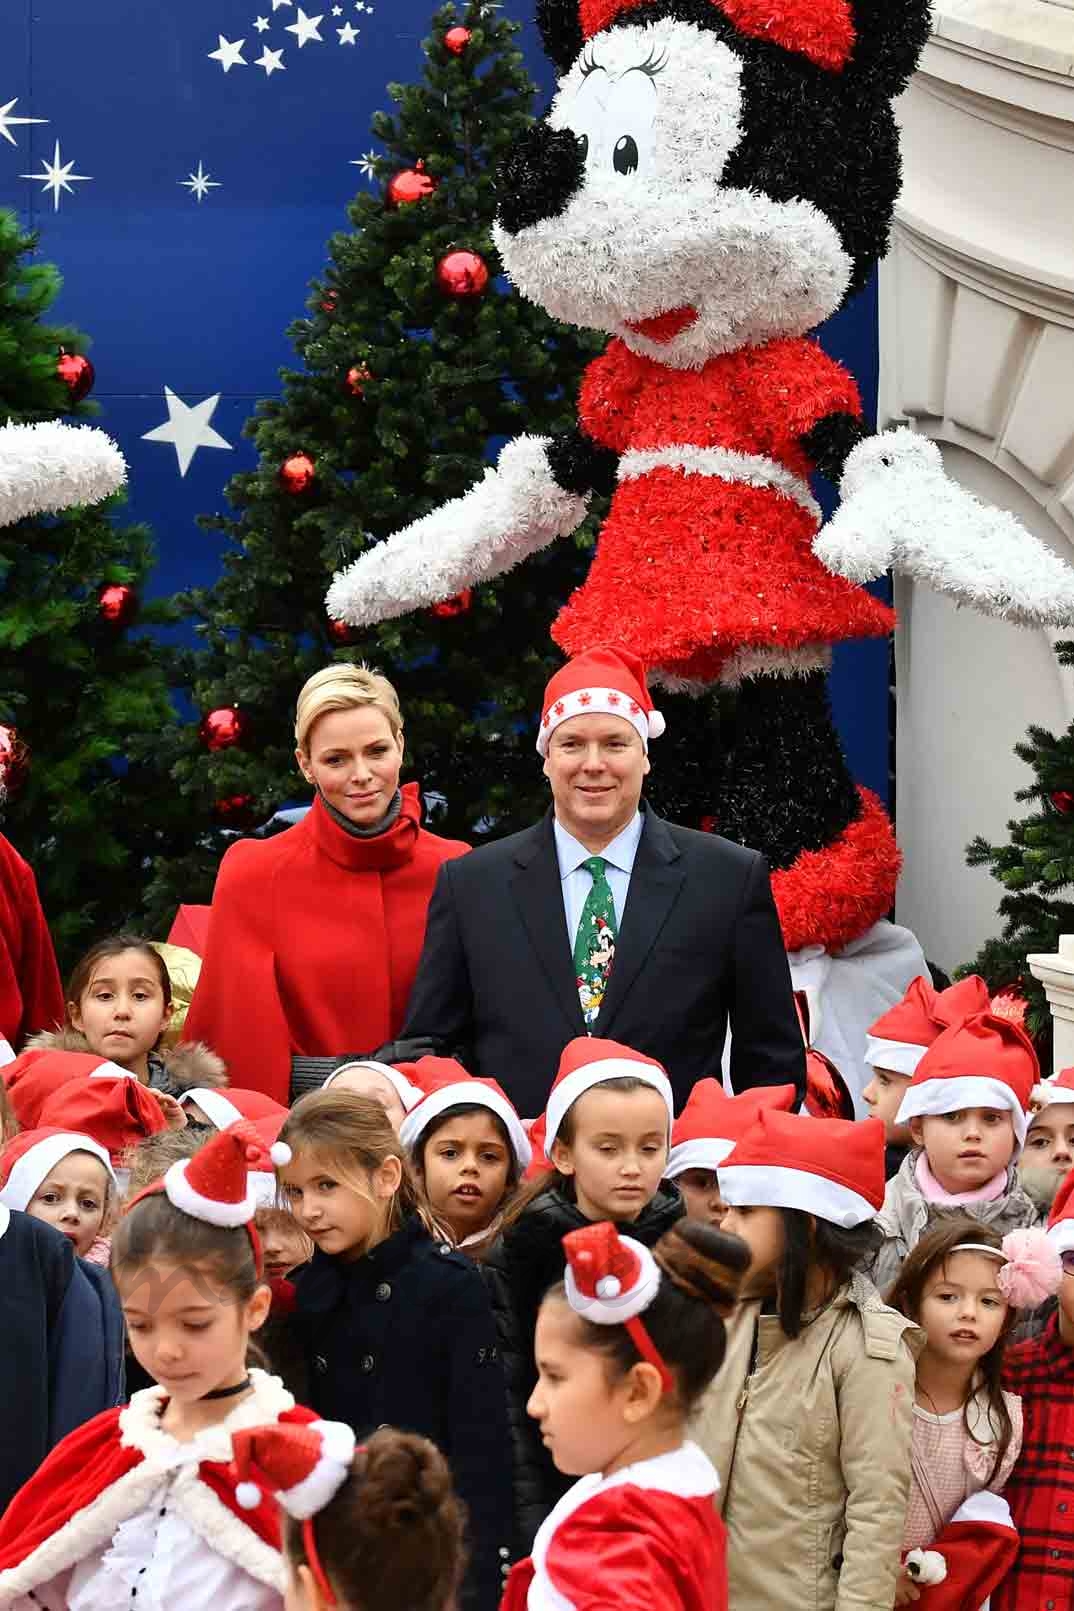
811	1438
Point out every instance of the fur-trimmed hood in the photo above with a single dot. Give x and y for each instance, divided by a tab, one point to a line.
185	1067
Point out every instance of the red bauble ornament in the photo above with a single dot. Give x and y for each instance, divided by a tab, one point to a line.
77	374
224	728
342	633
329	302
14	762
117	604
1063	801
296	473
236	811
357	375
457	39
709	824
462	274
448	608
411	184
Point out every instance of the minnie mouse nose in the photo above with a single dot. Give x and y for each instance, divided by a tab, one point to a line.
538	176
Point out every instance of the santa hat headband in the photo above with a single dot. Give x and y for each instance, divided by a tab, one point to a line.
408	1093
32	1156
983	1062
215	1185
586	1062
226	1107
601	682
831	1168
611	1280
471	1093
711	1124
1059	1088
820	30
304	1466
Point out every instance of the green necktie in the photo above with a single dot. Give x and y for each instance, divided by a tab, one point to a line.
594	944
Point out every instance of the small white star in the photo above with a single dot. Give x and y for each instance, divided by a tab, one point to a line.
366	165
337	11
228	53
187	428
306	28
347	34
262	25
199	184
7	122
57	176
276	4
271	61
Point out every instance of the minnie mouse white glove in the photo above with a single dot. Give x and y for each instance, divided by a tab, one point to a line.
516	509
901	511
48	467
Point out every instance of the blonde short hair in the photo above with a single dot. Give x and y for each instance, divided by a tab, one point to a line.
345	687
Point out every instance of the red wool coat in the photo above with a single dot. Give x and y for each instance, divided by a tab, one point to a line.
31	996
314	942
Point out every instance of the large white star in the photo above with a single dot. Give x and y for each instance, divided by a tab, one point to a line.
271	61
347	34
55	176
199	184
228	53
306	28
7	122
187	428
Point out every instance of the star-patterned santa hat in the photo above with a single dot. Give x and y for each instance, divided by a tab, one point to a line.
1058	1088
409	1093
227	1106
601	682
588	1061
32	1155
832	1168
468	1092
33	1077
304	1466
117	1113
611	1280
983	1062
712	1123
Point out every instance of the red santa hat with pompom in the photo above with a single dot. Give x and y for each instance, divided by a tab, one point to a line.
712	1123
831	1168
588	1061
303	1465
983	1062
820	30
1061	1217
32	1155
611	1280
1059	1088
601	682
215	1185
226	1107
969	1557
467	1090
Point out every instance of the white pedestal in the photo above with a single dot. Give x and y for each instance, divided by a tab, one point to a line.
1056	974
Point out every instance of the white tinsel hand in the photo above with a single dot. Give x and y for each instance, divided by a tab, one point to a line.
48	467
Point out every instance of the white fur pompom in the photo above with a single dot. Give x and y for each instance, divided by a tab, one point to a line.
48	467
281	1154
657	725
248	1495
926	1566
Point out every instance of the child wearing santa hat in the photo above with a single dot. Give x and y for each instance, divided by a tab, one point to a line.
966	1110
607	1132
384	1082
375	1526
140	1506
1049	1150
809	1421
706	1131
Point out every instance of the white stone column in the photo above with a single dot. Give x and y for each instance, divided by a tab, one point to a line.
1056	974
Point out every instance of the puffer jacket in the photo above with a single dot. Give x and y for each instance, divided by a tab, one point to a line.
811	1439
906	1215
174	1069
519	1268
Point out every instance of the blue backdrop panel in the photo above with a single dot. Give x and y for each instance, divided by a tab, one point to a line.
206	152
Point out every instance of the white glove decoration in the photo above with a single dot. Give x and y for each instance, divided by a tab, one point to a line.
516	509
48	467
900	510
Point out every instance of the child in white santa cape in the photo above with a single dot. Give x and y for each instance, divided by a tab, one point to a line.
625	1347
137	1509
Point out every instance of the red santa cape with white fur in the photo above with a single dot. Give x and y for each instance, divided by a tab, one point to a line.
107	1471
644	1539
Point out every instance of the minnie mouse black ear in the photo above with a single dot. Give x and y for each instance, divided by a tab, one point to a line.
561	31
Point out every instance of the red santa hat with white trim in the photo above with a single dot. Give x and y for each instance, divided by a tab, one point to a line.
32	1155
900	1037
832	1168
588	1061
117	1113
983	1062
214	1186
408	1092
467	1091
712	1123
303	1465
602	682
229	1105
31	1079
1057	1088
1061	1217
970	1556
261	1137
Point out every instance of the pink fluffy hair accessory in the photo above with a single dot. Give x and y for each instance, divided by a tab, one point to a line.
1033	1269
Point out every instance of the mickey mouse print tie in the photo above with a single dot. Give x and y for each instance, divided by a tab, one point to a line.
594	944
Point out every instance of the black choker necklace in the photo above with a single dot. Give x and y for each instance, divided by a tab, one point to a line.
227	1392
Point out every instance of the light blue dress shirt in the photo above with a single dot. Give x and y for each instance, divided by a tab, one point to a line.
576	882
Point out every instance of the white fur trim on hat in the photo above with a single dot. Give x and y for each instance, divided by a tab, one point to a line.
310	1495
112	1071
215	1106
408	1094
1047	1092
611	1307
473	1093
894	1056
40	1160
932	1098
770	1186
1061	1235
702	1153
583	1079
263	1185
182	1195
600	702
7	1052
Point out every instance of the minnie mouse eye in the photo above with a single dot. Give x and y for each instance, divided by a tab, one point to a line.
583	145
625	155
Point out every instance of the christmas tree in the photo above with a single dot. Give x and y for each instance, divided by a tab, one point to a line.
1035	868
82	700
418	361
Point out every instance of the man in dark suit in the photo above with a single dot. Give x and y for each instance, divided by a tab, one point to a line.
605	919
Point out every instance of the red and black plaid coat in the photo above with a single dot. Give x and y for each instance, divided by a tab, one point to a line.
1040	1490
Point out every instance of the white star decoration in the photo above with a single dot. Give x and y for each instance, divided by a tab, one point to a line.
228	53
7	122
57	176
261	24
347	34
187	428
271	61
306	28
276	4
366	164
199	184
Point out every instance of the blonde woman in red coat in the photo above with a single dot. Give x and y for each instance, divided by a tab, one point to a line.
315	935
